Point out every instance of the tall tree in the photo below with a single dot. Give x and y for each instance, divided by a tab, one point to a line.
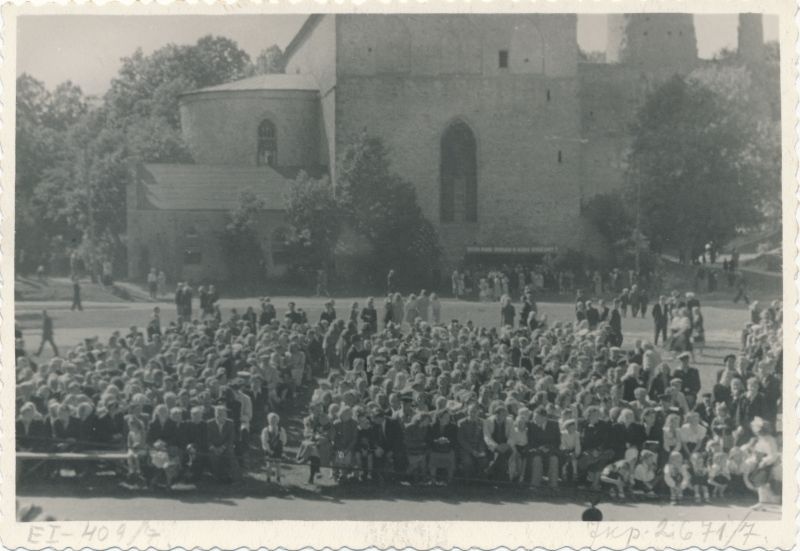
693	177
383	208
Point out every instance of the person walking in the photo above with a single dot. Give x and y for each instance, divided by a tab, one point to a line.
660	320
47	334
76	295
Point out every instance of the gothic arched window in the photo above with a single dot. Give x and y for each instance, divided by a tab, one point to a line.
267	144
459	175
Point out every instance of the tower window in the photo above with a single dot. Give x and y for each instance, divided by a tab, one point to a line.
559	156
502	59
548	94
267	154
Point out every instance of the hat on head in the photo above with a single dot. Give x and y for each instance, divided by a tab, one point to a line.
684	356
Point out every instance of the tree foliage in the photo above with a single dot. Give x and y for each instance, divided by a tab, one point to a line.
269	61
690	159
240	239
73	160
383	207
316	220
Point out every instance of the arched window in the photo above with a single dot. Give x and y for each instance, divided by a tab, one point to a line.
459	175
267	144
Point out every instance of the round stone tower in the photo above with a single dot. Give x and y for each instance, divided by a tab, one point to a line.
656	43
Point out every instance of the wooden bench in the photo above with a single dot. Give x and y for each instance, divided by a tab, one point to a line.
40	458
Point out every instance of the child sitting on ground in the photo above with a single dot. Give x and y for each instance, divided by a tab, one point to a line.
719	475
644	474
273	440
676	476
698	472
617	476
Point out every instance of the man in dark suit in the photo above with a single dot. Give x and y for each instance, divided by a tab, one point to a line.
388	436
660	320
615	323
220	438
194	442
690	377
750	406
592	315
30	431
544	438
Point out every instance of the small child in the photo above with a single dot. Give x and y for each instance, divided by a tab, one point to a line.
570	448
137	447
365	444
617	476
676	476
644	474
698	472
273	440
719	475
518	439
345	432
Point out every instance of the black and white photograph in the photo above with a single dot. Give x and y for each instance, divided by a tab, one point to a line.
401	267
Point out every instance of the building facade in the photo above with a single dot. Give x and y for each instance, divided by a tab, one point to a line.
501	129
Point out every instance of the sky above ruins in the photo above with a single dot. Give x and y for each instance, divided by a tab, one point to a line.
88	49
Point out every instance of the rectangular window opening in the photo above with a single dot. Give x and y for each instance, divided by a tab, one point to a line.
559	156
502	59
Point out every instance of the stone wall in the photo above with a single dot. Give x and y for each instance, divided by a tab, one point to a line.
221	127
316	55
168	240
525	118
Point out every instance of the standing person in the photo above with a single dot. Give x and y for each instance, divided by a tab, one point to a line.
76	294
187	302
741	289
179	300
162	283
436	309
388	312
507	312
455	283
47	334
423	304
698	330
390	282
660	320
635	299
369	317
322	282
615	323
152	283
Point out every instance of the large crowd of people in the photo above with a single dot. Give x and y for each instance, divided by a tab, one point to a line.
401	395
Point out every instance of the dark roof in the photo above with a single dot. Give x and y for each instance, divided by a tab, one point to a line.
210	187
263	82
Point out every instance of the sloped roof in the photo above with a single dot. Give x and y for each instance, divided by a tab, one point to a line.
208	187
264	82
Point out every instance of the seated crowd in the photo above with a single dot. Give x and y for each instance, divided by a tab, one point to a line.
555	404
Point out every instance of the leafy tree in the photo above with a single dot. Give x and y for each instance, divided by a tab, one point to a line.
42	143
240	239
269	61
316	219
690	167
383	207
73	162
